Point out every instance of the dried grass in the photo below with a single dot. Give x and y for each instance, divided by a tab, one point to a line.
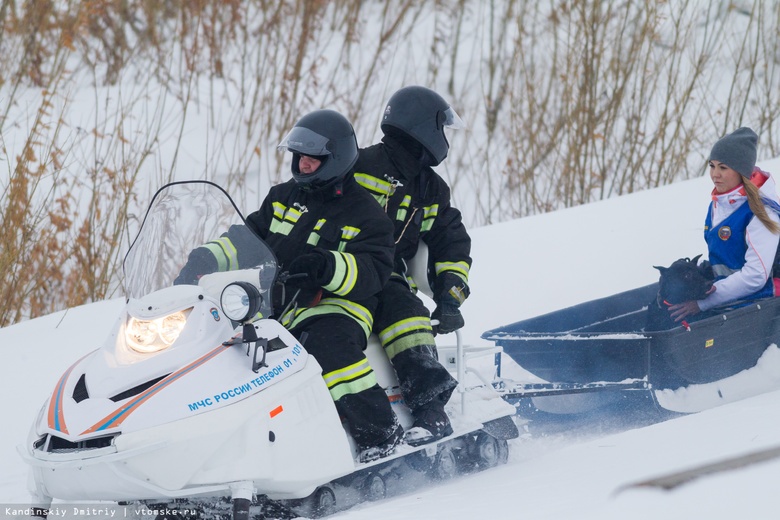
568	102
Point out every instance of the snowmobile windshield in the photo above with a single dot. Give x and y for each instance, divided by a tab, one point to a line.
184	216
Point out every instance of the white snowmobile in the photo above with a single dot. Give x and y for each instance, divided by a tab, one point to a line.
198	393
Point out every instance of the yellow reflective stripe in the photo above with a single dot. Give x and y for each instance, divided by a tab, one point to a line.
339	272
355	387
350	279
374	184
429	215
457	293
348	275
289	319
314	237
403	327
360	314
460	268
349	232
403	207
352	371
364	382
292	215
352	273
407	342
279	210
219	256
230	252
224	252
285	218
283	228
356	310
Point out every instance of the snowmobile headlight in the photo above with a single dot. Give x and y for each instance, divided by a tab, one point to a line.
172	325
147	336
240	301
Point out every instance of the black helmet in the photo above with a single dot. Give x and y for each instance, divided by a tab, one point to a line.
421	114
328	136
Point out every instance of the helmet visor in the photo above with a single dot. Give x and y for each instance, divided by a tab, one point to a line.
452	119
305	142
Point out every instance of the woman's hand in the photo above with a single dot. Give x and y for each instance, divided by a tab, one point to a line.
679	311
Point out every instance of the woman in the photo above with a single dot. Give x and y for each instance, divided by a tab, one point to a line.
742	227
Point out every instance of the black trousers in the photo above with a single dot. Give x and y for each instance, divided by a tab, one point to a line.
337	342
404	327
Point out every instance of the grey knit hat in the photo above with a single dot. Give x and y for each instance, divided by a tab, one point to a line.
737	150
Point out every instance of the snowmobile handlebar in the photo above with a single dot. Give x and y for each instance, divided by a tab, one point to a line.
285	276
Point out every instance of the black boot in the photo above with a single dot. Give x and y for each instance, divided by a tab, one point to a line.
430	423
384	448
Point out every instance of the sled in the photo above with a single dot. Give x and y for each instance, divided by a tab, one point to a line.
197	394
598	354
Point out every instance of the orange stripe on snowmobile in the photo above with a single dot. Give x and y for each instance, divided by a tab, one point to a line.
123	412
56	417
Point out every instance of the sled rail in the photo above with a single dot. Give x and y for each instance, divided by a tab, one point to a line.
521	390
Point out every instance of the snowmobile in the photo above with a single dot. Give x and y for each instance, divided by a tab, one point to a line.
599	355
199	393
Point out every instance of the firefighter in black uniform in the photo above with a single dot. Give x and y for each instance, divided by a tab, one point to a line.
398	173
337	243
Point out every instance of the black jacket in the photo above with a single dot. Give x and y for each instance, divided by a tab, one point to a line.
345	220
417	200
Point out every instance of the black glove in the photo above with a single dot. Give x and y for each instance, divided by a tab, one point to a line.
449	318
319	266
451	291
200	262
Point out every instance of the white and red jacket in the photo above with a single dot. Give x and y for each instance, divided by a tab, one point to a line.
750	248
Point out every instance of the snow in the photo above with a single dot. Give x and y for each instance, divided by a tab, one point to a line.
522	268
764	376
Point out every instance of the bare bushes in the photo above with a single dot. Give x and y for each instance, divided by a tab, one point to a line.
73	150
135	93
34	224
607	98
567	102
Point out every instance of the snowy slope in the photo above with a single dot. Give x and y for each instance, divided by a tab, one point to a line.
521	269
